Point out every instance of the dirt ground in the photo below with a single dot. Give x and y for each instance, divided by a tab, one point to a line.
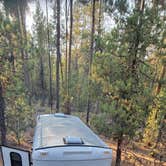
133	158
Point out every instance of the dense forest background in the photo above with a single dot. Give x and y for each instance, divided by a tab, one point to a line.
102	60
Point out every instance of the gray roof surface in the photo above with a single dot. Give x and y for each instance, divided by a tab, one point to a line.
51	129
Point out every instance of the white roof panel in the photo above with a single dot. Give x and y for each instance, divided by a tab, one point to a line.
51	130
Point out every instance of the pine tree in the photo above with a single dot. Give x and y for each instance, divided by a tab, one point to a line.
58	55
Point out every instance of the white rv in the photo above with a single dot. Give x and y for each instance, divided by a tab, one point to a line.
61	140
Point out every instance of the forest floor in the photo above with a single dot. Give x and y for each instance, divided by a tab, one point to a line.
135	157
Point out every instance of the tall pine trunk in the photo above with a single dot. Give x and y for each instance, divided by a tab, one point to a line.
119	151
42	86
90	60
2	117
49	60
58	54
13	62
23	43
69	61
100	17
66	51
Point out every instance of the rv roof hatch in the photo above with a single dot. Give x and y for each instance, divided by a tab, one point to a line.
60	115
72	140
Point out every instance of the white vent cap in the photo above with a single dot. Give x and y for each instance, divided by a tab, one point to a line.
61	115
72	140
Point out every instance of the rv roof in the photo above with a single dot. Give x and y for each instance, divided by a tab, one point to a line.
51	129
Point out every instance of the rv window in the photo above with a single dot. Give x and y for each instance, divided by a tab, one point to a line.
15	159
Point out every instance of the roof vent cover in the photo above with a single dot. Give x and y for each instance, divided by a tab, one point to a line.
60	115
72	140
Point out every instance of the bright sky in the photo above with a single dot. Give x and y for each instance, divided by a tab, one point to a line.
29	16
108	22
31	12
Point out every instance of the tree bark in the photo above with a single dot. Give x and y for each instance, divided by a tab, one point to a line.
119	150
42	80
49	60
66	58
13	62
100	17
58	55
90	60
69	61
2	117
